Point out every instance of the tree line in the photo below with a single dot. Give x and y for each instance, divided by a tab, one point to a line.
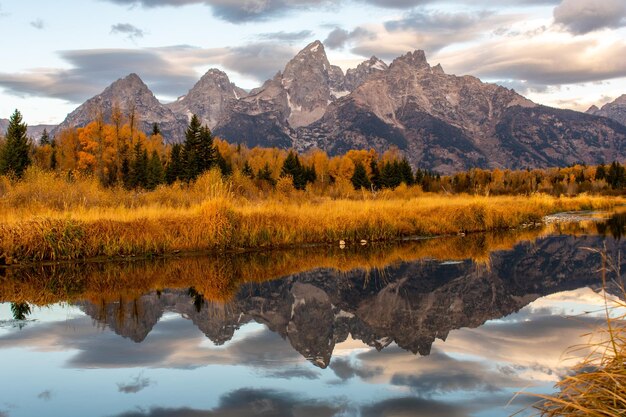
118	153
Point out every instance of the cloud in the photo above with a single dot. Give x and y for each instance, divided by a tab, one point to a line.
292	373
168	71
345	369
38	24
286	36
339	37
248	402
45	395
127	29
413	407
137	384
238	11
584	16
548	59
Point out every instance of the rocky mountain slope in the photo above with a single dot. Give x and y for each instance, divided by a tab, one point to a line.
209	99
128	93
438	121
34	131
615	110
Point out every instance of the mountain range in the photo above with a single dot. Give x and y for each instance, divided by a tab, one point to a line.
438	121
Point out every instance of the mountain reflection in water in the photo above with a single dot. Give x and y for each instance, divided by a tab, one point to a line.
354	315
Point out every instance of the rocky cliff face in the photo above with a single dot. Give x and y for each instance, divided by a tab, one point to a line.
128	93
412	304
209	99
615	110
450	123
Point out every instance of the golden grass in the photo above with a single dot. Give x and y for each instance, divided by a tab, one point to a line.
597	385
46	217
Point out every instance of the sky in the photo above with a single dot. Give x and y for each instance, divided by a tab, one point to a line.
55	55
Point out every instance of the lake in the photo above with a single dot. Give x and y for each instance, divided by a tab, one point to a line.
452	326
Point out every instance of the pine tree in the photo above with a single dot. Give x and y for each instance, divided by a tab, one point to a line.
600	172
190	150
156	175
199	154
139	167
406	172
45	138
207	154
15	158
247	170
375	178
265	174
175	167
293	168
359	178
225	166
53	160
155	129
616	176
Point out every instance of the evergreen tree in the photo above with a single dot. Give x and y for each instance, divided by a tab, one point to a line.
406	172
600	172
375	178
359	178
175	167
139	167
390	175
155	129
53	159
225	166
45	138
265	174
199	154
125	172
15	157
156	175
247	170
309	174
293	168
616	176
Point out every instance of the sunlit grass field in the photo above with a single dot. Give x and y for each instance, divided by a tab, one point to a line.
48	217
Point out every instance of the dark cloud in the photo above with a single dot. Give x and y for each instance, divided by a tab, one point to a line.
433	20
583	16
251	402
38	24
137	384
339	37
45	395
345	369
286	36
413	407
127	29
238	11
292	373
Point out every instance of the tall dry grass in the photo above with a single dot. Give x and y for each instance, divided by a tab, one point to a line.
47	217
596	386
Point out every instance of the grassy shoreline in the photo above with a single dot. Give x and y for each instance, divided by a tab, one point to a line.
229	224
49	218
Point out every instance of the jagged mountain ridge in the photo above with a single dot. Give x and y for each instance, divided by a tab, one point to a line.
438	121
615	110
413	304
128	93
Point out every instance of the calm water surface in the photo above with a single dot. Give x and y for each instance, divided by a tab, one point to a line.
447	327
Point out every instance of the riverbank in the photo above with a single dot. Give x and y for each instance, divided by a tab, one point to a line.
64	221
